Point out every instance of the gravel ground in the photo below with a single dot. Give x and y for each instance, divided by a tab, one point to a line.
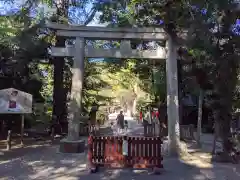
49	164
45	162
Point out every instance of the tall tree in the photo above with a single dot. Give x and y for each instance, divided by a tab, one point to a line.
61	84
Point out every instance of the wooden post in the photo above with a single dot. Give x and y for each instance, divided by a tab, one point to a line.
91	166
76	90
52	132
22	129
125	152
145	129
3	128
9	140
199	122
192	132
172	97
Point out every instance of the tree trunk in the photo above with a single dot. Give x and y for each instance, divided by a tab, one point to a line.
199	123
134	108
225	134
129	112
59	95
134	105
215	136
222	131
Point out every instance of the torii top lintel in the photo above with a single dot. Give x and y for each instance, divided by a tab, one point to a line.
104	33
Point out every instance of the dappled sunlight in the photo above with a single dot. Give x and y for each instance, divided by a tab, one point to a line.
200	177
34	163
5	162
51	165
202	161
112	174
41	165
196	162
236	171
51	171
204	156
46	171
198	159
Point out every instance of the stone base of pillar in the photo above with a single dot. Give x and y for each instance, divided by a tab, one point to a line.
67	146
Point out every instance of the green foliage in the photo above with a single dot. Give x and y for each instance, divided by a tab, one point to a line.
142	104
93	84
46	77
101	116
22	49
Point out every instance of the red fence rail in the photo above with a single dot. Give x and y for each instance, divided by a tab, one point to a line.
186	131
141	152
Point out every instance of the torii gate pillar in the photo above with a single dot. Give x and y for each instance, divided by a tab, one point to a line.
76	90
172	98
72	144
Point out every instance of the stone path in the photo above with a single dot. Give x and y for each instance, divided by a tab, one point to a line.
134	129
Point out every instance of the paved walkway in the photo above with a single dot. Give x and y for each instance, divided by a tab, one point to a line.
134	129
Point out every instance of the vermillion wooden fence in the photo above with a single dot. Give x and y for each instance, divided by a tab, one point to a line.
186	131
109	151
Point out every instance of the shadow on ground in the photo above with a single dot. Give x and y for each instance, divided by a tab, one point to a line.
48	163
30	146
41	160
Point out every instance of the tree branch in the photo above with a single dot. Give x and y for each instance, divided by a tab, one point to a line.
91	16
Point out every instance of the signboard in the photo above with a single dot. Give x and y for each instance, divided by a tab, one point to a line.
13	101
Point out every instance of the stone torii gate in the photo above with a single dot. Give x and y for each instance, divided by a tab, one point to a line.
80	51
